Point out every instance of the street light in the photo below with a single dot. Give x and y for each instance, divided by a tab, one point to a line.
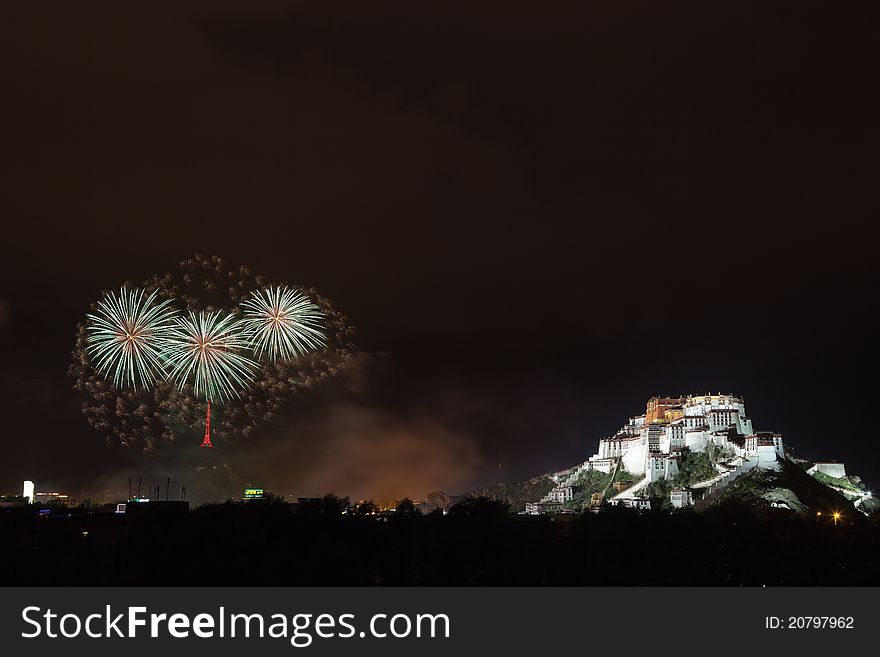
836	517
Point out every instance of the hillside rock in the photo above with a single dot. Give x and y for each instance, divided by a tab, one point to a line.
434	501
790	487
516	494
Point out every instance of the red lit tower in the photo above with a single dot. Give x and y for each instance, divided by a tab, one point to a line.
206	442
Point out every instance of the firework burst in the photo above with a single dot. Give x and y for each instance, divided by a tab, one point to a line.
153	416
204	351
127	336
282	323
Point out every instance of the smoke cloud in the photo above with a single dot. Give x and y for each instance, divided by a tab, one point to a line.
364	452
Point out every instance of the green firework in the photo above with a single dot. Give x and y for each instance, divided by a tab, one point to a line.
205	350
127	337
282	323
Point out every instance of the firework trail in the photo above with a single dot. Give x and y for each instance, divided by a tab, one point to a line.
204	350
127	335
282	323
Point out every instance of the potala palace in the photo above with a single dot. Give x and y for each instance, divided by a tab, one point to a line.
649	448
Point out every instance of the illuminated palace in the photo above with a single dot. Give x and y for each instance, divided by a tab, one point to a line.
649	446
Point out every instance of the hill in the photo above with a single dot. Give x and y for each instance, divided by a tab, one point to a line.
790	487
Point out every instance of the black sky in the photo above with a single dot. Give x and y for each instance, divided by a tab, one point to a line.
537	215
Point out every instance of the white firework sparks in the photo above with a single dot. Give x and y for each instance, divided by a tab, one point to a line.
205	350
282	323
127	336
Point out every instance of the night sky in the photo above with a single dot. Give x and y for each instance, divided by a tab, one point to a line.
537	215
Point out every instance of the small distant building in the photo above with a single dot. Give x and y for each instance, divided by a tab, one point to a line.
28	492
254	494
543	507
562	494
638	503
680	498
601	464
55	498
829	468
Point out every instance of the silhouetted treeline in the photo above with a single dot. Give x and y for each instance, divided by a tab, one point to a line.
477	543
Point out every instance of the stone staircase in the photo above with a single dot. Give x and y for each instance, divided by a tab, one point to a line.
714	489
